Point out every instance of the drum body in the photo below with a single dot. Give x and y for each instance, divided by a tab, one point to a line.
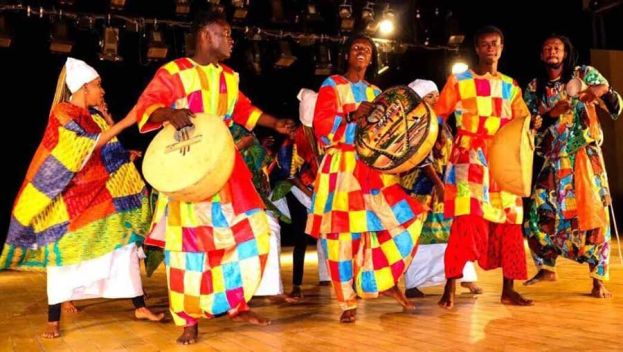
511	157
399	133
192	164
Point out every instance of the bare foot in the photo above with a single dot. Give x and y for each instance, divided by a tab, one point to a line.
447	300
52	330
542	275
324	283
251	318
144	313
472	287
599	290
296	292
513	298
282	299
396	294
69	307
414	293
348	316
189	335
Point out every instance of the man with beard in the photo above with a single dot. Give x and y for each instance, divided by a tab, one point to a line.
568	215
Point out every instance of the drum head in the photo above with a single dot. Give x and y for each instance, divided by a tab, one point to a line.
191	167
399	132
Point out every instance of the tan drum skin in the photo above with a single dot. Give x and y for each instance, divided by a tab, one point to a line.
511	157
194	169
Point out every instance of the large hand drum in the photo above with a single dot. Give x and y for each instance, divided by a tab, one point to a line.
193	164
511	155
399	133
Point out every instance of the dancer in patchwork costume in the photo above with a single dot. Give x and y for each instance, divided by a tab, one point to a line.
569	207
368	225
486	222
82	210
215	250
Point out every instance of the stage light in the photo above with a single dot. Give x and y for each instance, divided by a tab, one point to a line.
367	13
6	35
386	26
241	10
182	7
66	3
456	40
347	22
324	64
60	40
117	4
459	67
313	14
110	45
157	48
286	58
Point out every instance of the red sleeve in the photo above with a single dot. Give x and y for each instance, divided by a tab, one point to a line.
448	98
328	126
245	113
163	90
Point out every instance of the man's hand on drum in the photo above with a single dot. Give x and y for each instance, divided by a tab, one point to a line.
180	118
364	109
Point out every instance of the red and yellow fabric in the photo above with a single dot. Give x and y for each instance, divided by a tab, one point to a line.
77	202
204	240
482	104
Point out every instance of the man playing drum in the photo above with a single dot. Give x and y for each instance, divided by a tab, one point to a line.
368	226
215	250
487	221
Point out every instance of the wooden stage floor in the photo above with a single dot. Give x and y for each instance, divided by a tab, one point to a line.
564	318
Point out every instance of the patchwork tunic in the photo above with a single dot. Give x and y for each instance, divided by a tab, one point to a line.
215	250
427	267
482	104
568	214
367	224
79	212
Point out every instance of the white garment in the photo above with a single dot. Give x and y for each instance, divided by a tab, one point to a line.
423	87
78	73
427	267
307	98
114	275
271	283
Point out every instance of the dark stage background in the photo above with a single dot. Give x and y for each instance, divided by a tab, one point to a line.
30	71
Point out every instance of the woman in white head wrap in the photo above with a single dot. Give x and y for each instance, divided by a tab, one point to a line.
426	184
82	210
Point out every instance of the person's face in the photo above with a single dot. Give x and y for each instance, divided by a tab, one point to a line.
489	48
431	98
553	52
360	54
94	92
218	39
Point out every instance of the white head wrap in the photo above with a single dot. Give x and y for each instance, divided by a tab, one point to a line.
307	97
78	73
423	87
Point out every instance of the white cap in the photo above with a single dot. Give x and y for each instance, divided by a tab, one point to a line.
307	97
78	73
423	87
